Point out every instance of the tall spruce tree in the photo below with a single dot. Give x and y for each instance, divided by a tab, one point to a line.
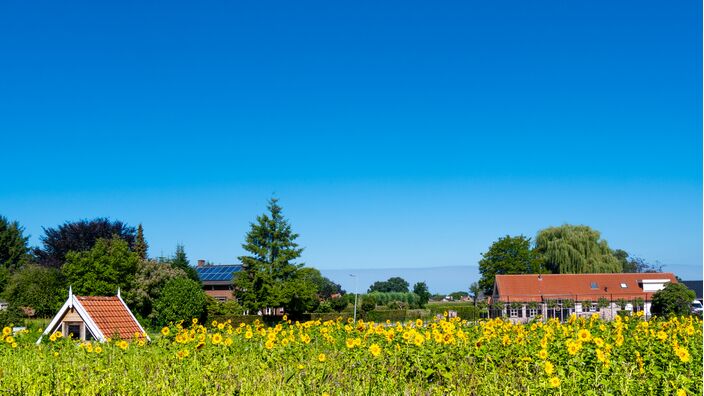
140	244
272	249
180	260
571	249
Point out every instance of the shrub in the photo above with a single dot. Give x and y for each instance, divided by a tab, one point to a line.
181	299
674	299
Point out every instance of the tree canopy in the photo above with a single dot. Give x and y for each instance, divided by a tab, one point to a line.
109	265
150	279
41	288
79	236
180	261
674	300
141	246
421	290
570	249
393	284
14	252
272	250
507	255
181	299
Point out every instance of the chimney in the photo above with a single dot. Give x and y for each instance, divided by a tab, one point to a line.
201	263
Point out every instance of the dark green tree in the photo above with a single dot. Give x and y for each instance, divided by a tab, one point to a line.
79	236
181	300
324	286
272	250
40	288
393	284
299	295
180	261
571	249
109	265
421	290
14	252
674	300
508	255
140	244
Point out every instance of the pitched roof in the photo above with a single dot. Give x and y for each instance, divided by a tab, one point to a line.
578	287
111	316
217	273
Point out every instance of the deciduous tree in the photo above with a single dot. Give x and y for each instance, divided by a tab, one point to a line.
571	249
508	255
109	265
674	300
79	236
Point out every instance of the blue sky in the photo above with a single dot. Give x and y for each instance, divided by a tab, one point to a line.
397	135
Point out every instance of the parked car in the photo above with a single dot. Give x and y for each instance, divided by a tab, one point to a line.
697	307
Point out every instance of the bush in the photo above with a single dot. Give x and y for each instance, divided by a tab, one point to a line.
675	299
181	299
339	304
397	315
368	303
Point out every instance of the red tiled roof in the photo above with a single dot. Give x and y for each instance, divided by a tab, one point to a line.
111	316
578	287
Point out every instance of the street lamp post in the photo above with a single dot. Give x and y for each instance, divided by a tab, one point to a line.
355	297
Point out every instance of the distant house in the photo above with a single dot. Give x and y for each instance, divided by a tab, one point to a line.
95	318
217	279
696	286
522	297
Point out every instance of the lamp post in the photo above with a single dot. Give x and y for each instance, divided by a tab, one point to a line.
355	297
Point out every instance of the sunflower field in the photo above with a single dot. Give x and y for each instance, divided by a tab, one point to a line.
584	356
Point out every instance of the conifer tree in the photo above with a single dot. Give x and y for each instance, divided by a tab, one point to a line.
140	244
180	261
272	249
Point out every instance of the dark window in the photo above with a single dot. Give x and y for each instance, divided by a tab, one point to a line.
74	330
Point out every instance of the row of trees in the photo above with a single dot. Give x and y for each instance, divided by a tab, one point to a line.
95	257
567	249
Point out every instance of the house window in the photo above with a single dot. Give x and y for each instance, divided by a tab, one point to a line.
73	330
592	307
513	313
624	286
532	312
594	285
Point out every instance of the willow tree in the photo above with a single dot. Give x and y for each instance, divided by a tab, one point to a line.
571	249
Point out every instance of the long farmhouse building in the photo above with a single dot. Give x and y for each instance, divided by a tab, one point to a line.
522	297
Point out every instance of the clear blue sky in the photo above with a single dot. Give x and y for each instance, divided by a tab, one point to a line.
396	134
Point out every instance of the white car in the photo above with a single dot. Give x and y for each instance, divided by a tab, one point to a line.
697	307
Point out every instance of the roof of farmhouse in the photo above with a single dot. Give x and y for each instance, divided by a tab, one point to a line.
578	287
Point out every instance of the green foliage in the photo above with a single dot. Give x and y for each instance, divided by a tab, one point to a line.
79	236
508	255
272	250
14	252
420	289
324	286
675	299
218	309
338	304
109	265
40	288
570	249
410	299
180	261
149	281
393	284
458	295
368	303
12	315
181	299
298	295
140	244
602	303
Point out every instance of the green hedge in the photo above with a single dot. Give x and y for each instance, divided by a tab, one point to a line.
323	317
464	311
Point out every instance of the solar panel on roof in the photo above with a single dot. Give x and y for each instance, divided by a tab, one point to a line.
217	272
